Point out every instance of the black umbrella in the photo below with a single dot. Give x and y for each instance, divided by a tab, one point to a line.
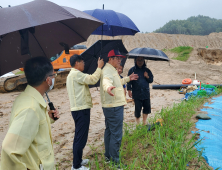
148	54
92	54
40	28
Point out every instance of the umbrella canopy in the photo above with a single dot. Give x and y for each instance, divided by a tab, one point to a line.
148	54
92	54
114	23
40	28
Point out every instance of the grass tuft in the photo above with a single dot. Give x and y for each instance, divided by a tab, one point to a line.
19	72
183	52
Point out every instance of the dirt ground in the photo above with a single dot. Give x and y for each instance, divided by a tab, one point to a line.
164	73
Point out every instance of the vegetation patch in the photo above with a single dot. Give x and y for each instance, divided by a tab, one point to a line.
19	72
168	146
183	52
195	25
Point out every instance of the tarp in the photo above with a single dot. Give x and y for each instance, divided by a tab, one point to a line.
211	133
200	93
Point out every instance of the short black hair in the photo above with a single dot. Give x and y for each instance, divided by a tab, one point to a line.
37	69
75	58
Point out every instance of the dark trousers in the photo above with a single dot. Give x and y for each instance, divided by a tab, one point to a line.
82	121
113	132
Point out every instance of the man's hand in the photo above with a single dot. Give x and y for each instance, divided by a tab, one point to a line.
146	75
130	93
56	114
109	90
133	76
100	63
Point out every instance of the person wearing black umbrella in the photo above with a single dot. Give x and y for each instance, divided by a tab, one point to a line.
139	89
80	104
28	142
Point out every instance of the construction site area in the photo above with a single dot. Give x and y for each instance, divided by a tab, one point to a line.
205	60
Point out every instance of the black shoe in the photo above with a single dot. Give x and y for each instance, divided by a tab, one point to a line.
107	160
152	127
120	166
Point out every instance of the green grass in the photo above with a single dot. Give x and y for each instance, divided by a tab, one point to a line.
164	50
183	52
171	146
19	72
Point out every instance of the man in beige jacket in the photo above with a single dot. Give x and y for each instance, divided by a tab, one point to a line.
113	100
28	143
80	103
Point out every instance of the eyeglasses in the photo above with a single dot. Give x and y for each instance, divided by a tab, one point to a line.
118	58
53	75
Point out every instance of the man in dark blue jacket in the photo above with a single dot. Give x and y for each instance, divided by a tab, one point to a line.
139	90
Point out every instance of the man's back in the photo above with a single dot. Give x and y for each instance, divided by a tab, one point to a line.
78	89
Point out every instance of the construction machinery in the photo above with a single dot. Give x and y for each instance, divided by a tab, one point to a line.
60	64
61	60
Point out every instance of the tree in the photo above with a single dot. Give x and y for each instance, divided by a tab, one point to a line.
200	25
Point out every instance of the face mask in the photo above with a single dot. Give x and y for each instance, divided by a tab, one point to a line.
50	87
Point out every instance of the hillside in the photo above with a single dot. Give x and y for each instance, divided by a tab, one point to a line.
199	25
161	41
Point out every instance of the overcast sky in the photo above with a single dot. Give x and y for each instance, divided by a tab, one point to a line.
148	15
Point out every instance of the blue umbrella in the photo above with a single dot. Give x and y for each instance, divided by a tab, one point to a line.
148	53
114	23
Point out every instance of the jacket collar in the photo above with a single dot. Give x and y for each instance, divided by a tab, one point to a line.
73	69
31	91
109	65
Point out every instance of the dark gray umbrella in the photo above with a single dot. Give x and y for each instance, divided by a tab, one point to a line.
92	54
148	54
40	28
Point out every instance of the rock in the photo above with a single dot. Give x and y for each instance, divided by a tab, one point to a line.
195	62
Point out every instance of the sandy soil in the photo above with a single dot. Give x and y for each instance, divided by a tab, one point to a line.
63	130
164	73
163	41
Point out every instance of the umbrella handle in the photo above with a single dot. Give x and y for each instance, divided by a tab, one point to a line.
51	106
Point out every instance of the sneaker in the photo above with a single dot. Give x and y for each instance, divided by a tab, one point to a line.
107	160
81	168
85	162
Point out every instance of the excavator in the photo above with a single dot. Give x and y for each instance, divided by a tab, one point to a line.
61	66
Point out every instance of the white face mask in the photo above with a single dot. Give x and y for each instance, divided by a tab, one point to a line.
50	87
